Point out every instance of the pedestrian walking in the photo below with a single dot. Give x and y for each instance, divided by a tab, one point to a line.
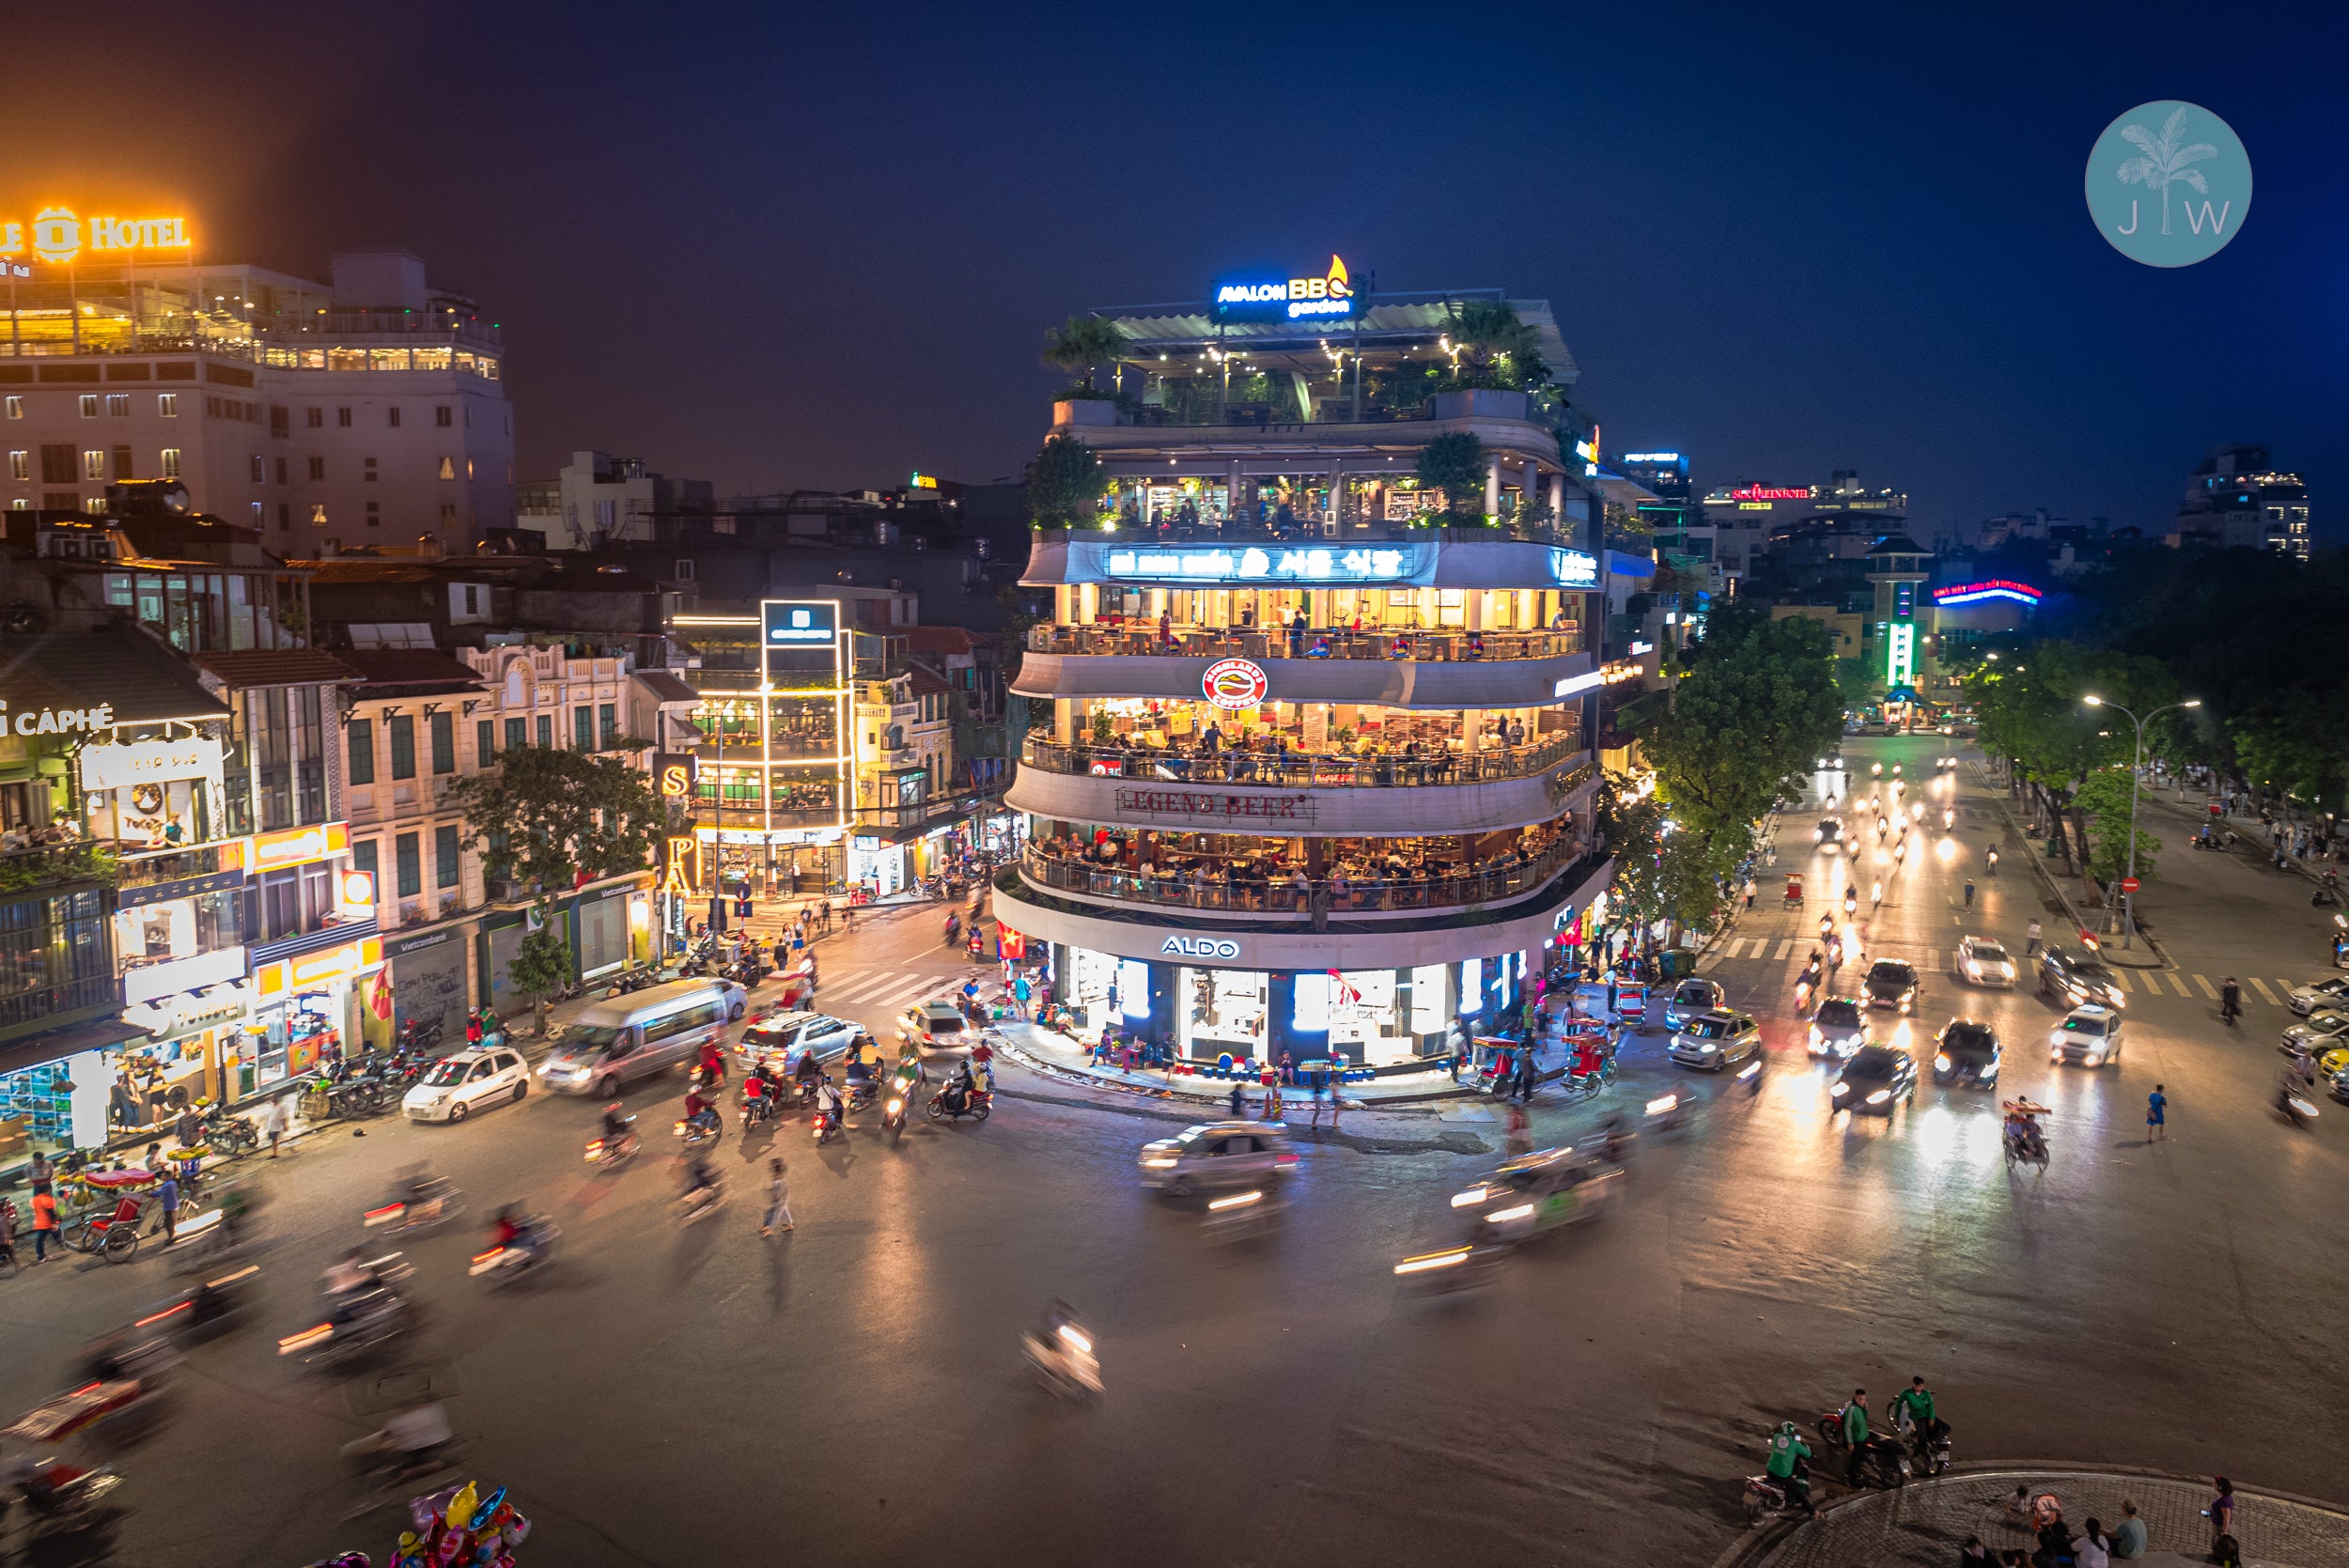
778	1199
167	1194
2156	1113
45	1223
2030	939
1529	1073
1969	893
2223	1548
1752	890
1318	1086
1459	1063
1519	1138
1020	994
1270	1078
273	1123
1236	1101
40	1172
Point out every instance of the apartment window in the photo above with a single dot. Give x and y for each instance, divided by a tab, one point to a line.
318	514
260	468
546	730
403	729
584	729
449	468
90	405
361	736
607	724
408	865
484	743
375	518
57	463
446	866
342	417
362	859
16	408
119	405
448	514
94	464
517	732
509	478
312	418
444	729
318	468
166	405
171	462
258	514
285	515
21	467
440	416
369	475
684	571
394	413
280	420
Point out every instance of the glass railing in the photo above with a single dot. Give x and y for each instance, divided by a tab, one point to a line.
1301	770
1319	527
1240	888
1144	638
144	868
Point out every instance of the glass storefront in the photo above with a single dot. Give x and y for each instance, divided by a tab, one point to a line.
1223	1011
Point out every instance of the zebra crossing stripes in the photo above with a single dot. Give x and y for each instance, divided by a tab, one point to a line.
2260	987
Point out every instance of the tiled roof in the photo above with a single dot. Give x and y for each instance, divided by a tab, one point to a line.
665	686
385	672
142	679
277	667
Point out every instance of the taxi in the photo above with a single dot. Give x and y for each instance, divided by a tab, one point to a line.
1537	1192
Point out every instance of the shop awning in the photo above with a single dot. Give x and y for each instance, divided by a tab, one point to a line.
96	1034
142	680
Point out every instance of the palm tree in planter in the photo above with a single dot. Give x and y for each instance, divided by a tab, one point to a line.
1083	346
1454	464
1498	350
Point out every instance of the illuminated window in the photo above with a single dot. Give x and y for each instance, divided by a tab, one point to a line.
94	464
171	462
119	405
318	514
166	405
16	408
449	468
21	466
90	405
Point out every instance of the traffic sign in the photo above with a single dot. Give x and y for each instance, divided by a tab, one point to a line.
2129	884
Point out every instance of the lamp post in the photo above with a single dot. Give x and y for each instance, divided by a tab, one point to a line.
2128	899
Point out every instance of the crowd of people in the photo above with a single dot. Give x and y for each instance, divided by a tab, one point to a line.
1369	875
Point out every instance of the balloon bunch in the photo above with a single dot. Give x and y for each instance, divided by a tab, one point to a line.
461	1527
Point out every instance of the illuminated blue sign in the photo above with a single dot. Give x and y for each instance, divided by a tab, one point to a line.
1651	456
1573	568
1329	297
799	623
1310	563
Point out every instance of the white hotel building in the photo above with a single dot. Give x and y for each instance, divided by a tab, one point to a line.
1317	777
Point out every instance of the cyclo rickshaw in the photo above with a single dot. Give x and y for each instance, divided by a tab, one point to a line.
1793	892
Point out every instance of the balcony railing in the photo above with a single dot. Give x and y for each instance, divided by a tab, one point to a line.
1277	890
1145	640
44	866
1319	528
144	867
1301	770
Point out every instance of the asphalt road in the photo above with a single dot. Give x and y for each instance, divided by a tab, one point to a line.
854	1393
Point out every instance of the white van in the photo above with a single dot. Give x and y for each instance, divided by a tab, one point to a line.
614	1041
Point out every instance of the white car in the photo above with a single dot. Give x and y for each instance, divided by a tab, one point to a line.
2331	991
2089	1034
466	1082
1984	962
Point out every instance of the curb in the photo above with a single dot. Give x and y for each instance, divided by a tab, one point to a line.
1760	1542
1078	1077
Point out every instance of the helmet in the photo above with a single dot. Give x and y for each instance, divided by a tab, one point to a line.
1787	1427
610	1109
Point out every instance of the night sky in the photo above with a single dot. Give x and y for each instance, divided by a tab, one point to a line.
793	246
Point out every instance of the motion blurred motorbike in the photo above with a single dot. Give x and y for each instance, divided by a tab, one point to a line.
358	1320
1454	1269
417	1208
1064	1361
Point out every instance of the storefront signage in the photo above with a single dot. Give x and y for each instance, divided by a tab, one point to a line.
166	1017
1107	768
173	975
1900	653
799	623
56	236
1996	587
1313	563
187	887
1770	492
1219	808
322	968
298	846
1651	456
149	762
1273	299
356	890
56	721
1199	947
1573	568
780	835
674	773
1233	684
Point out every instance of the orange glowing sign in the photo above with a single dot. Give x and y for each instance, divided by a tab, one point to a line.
56	236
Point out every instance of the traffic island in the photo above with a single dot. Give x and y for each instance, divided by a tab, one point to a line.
1925	1522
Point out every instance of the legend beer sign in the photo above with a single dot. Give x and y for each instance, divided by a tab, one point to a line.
57	235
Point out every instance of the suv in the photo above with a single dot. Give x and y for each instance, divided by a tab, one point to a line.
1714	1040
1891	982
787	1038
935	1026
1966	1052
2073	977
1217	1154
1830	831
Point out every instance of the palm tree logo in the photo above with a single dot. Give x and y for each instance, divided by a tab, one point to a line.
2165	160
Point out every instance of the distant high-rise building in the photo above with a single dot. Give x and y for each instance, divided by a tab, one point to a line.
2236	500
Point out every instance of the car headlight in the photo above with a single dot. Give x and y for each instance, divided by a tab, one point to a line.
1817	1038
1501	1217
1707	1049
1940	1063
2055	1036
1880	1096
1839	1090
1157	1162
1469	1198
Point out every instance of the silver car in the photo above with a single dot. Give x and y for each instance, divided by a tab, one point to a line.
1537	1192
1984	962
658	1028
1218	1154
2331	991
1715	1040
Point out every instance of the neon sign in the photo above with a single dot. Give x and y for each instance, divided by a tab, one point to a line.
1900	653
1996	587
1315	564
1770	492
56	236
1651	456
1574	568
1332	294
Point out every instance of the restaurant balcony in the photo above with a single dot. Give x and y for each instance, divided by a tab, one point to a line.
140	868
57	864
1142	637
1290	770
1534	680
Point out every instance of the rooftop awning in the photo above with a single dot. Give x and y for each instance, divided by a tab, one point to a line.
142	679
1390	322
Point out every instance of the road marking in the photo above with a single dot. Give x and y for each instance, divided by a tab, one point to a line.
1787	948
2208	990
2179	981
2266	995
2121	979
1735	943
869	984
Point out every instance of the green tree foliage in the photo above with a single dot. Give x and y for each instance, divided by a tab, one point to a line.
2030	707
549	817
1065	484
1084	345
1758	706
1454	464
1664	870
541	964
1496	348
2102	801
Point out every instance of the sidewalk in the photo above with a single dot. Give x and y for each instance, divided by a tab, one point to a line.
1927	1521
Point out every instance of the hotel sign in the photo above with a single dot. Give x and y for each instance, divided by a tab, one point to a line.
56	236
1193	806
1313	563
1328	297
1770	492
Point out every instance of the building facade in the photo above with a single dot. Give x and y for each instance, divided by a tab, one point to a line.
2236	498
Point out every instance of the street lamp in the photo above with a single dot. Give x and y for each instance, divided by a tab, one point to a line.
2128	899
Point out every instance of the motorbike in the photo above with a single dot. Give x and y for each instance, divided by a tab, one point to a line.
231	1135
62	1499
1243	1217
1883	1462
503	1265
950	1104
953	929
136	1364
1929	1449
701	1127
701	1203
357	1320
1667	1112
756	1108
205	1312
894	1114
614	1150
2296	1106
1065	1364
634	979
826	1126
1768	1498
426	1206
860	1093
419	1036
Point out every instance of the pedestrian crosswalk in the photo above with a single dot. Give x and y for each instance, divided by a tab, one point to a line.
886	991
2137	981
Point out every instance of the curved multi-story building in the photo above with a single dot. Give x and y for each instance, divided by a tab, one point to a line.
1319	785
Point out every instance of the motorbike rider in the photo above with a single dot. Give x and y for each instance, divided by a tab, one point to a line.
699	1178
756	1105
511	1228
349	1274
617	1125
828	1098
1855	1419
808	1072
697	1109
1612	1150
1785	1465
1913	1405
2229	999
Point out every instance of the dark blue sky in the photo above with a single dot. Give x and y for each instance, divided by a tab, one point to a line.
818	246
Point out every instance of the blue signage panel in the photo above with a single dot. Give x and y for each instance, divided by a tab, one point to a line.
801	623
1258	297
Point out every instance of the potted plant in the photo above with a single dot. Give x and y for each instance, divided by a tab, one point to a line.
1083	346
